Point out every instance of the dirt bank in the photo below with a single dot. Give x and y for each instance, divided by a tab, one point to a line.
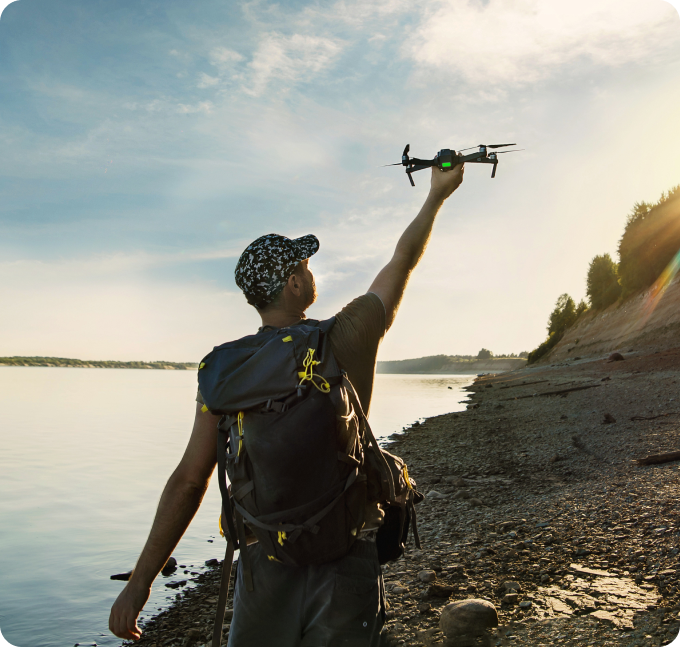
634	324
534	484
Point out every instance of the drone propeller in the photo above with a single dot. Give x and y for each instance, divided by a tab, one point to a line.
515	151
404	155
497	145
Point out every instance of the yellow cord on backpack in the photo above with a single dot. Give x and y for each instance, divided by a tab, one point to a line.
239	419
282	537
308	374
408	480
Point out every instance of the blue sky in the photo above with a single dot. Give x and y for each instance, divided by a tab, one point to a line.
145	144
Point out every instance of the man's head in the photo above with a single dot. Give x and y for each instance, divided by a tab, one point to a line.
274	269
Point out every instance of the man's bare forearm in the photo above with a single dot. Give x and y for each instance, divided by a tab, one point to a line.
413	242
178	505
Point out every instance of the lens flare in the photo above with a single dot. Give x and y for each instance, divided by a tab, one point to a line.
661	285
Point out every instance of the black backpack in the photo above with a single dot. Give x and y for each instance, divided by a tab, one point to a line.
301	457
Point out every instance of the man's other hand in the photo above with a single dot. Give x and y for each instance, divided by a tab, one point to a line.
125	611
444	183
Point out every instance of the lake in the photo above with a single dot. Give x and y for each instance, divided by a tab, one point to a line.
85	455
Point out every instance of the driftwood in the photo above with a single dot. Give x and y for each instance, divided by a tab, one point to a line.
512	386
560	392
661	415
656	459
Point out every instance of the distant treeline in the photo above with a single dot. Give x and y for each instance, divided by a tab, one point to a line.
78	363
451	364
650	244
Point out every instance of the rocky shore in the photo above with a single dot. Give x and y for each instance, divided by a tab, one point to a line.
535	503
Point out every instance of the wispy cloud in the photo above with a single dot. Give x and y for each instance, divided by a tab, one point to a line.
519	42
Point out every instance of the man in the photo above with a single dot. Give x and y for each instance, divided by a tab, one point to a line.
339	603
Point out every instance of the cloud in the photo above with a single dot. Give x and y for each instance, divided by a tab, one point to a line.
224	57
290	59
207	81
202	106
519	42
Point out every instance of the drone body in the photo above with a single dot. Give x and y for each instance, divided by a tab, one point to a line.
446	159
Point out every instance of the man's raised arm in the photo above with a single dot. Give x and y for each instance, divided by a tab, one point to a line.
391	281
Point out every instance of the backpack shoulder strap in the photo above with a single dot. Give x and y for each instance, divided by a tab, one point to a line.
384	467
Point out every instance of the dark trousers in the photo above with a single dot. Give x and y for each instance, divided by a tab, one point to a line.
338	604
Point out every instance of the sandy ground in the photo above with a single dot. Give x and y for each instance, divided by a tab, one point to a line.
540	489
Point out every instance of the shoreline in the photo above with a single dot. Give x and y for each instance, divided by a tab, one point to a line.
535	489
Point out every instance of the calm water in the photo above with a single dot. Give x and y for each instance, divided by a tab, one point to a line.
85	454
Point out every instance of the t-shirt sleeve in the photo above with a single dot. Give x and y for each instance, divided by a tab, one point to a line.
199	397
359	328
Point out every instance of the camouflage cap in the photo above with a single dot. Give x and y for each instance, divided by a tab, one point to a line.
268	262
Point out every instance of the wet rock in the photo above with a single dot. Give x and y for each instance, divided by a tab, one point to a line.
176	585
212	562
512	587
124	577
510	598
608	419
427	576
615	357
464	620
525	604
170	567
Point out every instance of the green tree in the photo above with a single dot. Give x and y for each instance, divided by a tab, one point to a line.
650	241
484	354
603	286
564	316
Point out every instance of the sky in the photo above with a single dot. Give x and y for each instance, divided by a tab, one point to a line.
146	143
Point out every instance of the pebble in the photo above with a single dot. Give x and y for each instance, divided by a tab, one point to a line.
433	494
427	576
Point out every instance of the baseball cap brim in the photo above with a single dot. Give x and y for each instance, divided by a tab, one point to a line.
305	247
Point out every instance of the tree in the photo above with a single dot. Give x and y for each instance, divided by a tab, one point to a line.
564	316
650	241
603	286
484	354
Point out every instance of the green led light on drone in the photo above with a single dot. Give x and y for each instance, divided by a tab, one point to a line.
446	164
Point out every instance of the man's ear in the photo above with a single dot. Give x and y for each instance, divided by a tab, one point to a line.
294	284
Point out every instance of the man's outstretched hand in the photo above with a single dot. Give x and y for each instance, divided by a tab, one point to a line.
125	611
444	183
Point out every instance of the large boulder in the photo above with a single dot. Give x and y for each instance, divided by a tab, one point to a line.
462	622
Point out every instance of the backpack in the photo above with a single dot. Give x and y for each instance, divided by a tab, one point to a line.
299	452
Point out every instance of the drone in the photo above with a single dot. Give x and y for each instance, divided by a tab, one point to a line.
446	159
